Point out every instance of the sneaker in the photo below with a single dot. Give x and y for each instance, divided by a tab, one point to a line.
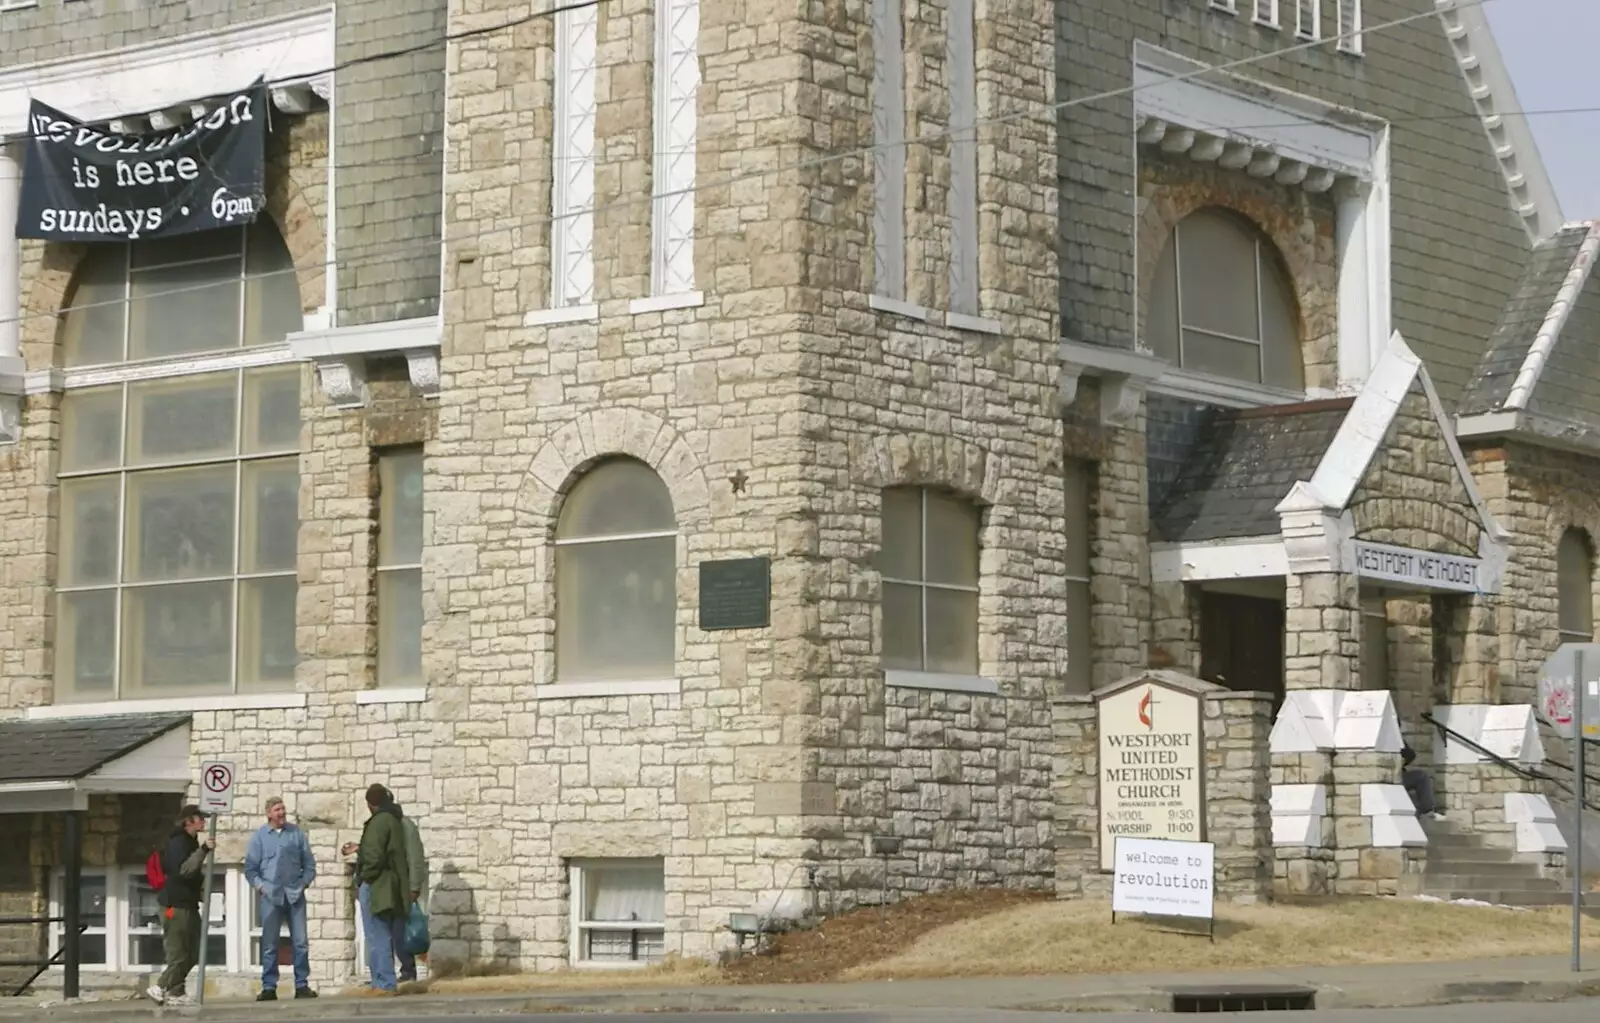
1438	816
304	992
179	1000
267	995
155	994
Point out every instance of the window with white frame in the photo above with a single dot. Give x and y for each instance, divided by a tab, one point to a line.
616	553
1350	26
1221	303
1231	6
400	567
1266	13
1575	587
124	918
179	470
1080	479
930	581
618	912
1308	19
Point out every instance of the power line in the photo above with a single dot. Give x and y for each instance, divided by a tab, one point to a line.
392	250
404	51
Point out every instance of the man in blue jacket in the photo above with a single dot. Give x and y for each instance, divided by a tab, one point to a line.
279	867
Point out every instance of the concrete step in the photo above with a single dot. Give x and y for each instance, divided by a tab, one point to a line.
1433	883
1497	897
1471	854
1447	868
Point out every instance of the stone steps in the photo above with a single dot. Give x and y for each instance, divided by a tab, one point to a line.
1462	865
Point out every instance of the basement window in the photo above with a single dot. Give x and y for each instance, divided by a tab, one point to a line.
618	912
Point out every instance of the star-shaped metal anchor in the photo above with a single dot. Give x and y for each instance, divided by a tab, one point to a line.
738	480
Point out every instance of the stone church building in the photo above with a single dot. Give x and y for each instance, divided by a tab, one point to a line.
690	497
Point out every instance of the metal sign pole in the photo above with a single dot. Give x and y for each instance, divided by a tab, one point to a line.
205	918
1579	772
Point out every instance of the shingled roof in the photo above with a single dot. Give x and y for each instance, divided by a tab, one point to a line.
66	749
1244	466
1536	304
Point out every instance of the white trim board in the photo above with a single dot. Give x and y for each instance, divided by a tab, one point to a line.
170	73
176	705
1198	561
1529	190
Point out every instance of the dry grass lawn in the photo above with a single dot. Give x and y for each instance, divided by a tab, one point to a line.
1065	937
1001	933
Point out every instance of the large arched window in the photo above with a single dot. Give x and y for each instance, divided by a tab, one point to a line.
1575	587
616	577
179	481
930	581
1221	303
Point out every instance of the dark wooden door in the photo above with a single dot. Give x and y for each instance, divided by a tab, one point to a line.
1241	643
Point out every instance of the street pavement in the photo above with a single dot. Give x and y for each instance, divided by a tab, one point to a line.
1370	991
1561	1012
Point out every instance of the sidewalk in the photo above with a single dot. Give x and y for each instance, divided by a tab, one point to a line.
1338	987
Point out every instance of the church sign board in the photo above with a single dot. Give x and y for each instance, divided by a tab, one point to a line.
1152	765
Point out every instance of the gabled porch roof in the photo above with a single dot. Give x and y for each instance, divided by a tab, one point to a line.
57	764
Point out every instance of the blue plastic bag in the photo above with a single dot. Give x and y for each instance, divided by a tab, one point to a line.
416	937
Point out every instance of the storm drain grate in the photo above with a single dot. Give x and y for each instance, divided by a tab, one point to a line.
1243	999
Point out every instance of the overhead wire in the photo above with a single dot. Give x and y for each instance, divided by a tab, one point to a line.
393	250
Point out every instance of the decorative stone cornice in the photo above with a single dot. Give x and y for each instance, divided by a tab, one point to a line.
340	355
165	76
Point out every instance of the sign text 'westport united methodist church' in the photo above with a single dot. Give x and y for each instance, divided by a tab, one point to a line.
86	183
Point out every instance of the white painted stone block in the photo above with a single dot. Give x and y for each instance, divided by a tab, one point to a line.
1385	800
1299	800
1305	721
1391	831
1512	731
1465	719
1540	837
1297	830
1528	808
1367	721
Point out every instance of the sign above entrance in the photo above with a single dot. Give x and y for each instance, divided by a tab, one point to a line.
1152	757
86	183
1425	570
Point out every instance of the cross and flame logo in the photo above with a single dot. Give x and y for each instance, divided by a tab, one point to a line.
1147	709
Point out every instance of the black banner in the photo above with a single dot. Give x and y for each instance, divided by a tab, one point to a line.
82	183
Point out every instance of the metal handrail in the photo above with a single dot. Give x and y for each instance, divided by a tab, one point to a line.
40	965
1530	773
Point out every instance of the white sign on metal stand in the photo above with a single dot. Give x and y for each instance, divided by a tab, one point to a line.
218	779
1162	877
1568	701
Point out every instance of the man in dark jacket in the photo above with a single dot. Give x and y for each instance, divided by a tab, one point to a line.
184	859
382	874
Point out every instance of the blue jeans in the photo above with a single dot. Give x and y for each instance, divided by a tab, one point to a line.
397	937
272	921
380	943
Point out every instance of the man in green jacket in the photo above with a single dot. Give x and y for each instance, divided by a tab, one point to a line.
383	875
417	861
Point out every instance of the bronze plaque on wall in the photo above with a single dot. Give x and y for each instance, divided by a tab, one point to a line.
736	594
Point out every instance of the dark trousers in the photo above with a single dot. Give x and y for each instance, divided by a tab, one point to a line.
1419	785
181	937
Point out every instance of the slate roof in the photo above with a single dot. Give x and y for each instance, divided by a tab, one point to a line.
1525	312
1244	465
64	749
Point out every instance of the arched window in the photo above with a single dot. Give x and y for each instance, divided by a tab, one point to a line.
1221	303
179	482
1575	587
616	577
930	581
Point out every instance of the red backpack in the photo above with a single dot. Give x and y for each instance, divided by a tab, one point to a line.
154	873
